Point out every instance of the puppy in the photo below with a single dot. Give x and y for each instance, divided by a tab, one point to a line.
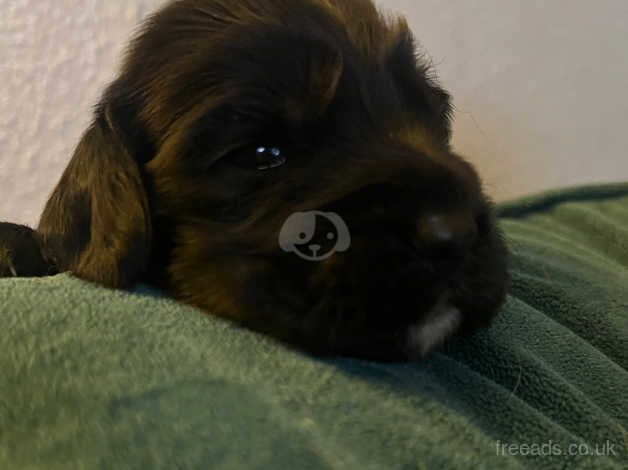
231	121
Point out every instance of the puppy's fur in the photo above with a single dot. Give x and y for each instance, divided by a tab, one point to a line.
164	188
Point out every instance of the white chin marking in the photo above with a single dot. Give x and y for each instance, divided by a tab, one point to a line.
443	320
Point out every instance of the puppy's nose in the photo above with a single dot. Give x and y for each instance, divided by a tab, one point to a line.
446	234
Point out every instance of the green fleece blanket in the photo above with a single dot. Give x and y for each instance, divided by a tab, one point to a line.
92	378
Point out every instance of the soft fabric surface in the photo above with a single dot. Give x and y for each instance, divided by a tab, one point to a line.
92	378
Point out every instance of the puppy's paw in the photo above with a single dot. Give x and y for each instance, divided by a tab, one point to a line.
7	266
21	253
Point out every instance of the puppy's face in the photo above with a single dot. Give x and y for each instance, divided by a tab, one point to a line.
255	113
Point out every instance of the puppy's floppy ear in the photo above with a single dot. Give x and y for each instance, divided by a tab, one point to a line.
97	220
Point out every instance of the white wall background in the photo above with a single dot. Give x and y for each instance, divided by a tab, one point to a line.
540	86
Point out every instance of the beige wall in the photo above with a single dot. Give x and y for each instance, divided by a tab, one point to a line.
539	86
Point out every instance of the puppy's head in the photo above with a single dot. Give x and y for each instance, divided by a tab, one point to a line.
296	159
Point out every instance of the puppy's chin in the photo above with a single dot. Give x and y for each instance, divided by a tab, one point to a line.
441	323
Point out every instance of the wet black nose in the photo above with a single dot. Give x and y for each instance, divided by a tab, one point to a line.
446	234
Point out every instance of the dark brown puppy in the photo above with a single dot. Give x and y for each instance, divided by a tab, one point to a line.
231	116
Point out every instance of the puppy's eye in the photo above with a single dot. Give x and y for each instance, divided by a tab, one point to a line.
268	158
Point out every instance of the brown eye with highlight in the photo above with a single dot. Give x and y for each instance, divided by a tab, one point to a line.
268	158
